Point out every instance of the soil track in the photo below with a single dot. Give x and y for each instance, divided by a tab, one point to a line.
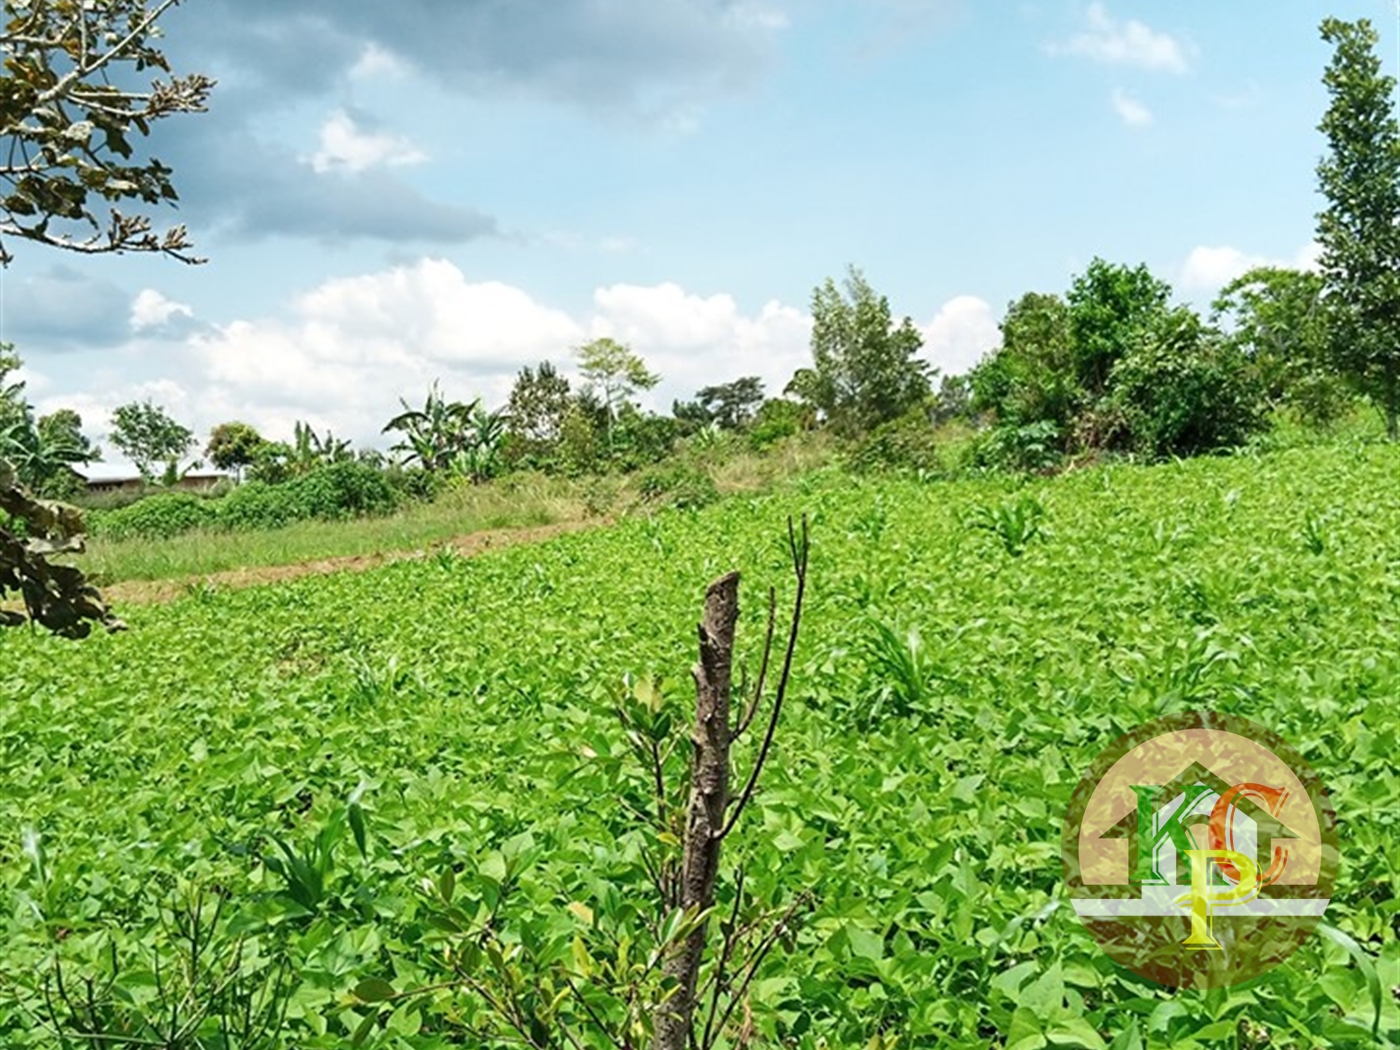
142	592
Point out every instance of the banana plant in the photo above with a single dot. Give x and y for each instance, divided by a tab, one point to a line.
436	433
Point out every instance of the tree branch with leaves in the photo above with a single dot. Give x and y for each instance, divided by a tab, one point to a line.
69	110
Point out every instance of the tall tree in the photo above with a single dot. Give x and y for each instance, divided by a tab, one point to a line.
1278	318
614	371
727	405
68	113
147	435
864	366
615	374
1031	377
1111	306
538	403
1359	230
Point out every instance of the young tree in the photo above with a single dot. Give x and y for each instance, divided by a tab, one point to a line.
1359	230
535	413
68	113
233	446
434	434
146	435
865	371
1278	318
43	453
1031	377
614	372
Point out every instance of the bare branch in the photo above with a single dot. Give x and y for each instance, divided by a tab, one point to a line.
799	549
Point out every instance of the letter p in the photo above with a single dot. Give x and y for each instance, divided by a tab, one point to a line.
1205	898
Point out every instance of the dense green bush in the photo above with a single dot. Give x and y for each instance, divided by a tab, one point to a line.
260	505
1035	446
909	443
339	490
679	486
156	517
1183	391
344	490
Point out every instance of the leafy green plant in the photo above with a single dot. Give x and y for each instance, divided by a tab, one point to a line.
678	486
1016	523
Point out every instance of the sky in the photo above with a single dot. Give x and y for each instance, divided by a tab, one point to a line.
390	194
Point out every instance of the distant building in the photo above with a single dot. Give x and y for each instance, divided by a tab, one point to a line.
188	483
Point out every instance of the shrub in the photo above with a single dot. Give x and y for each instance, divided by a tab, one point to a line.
156	517
258	505
1035	446
343	490
909	443
1183	391
679	486
777	418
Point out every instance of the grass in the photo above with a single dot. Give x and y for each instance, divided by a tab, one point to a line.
516	502
534	501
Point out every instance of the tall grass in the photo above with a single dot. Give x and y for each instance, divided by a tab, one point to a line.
510	504
518	501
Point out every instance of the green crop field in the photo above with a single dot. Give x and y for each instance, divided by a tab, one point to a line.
361	770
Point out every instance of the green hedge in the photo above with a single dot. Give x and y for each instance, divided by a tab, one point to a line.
340	490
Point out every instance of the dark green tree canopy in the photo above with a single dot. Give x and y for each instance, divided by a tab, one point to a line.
1359	230
233	445
1031	377
1110	305
726	405
538	402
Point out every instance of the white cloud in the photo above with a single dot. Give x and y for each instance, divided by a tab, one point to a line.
1208	269
1129	43
961	333
694	341
151	309
377	61
345	146
1130	110
343	353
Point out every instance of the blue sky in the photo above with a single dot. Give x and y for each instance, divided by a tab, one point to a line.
390	194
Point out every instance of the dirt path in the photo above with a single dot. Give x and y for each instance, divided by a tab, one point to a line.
140	592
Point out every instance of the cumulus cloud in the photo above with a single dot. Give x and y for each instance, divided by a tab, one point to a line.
1110	41
342	353
960	334
151	309
347	146
1130	111
694	341
1207	269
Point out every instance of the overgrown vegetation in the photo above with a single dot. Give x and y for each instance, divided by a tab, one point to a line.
945	695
